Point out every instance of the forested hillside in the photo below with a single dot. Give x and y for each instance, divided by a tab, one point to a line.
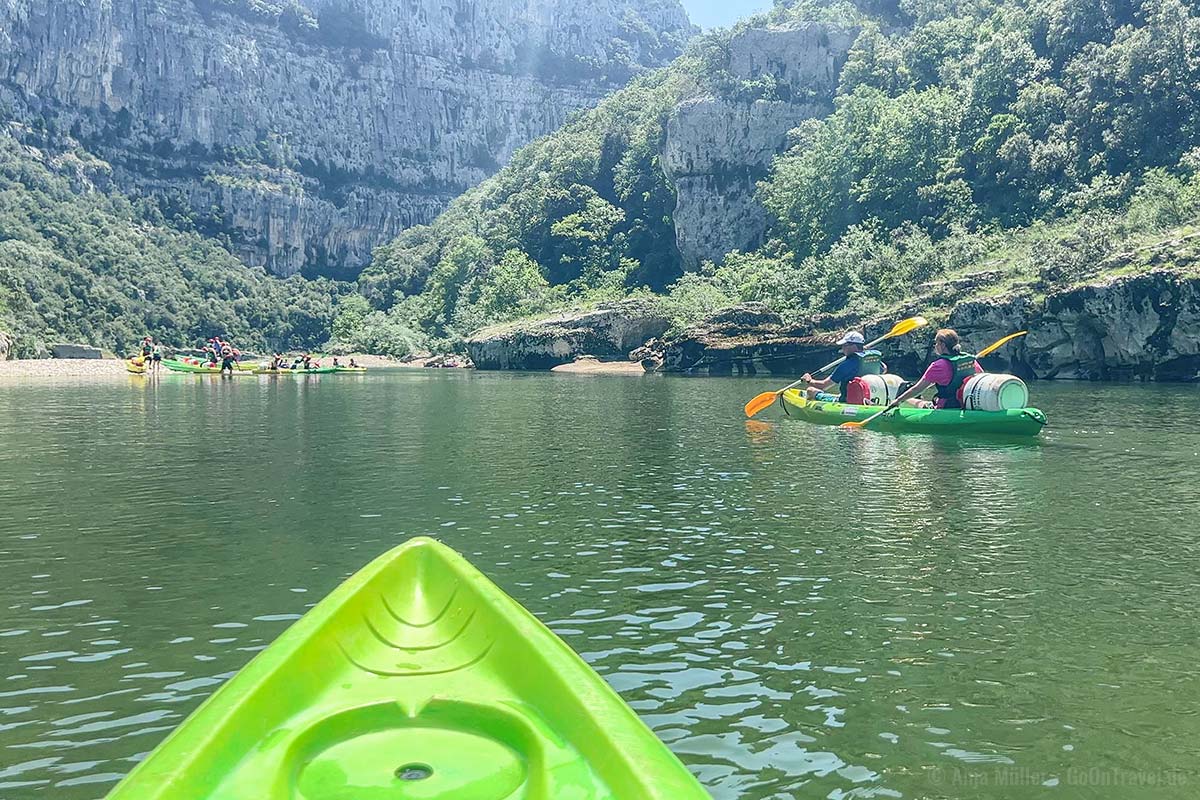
81	264
961	132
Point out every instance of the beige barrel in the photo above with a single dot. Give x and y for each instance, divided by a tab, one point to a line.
989	391
884	388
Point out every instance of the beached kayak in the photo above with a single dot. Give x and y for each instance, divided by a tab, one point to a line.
1017	422
136	365
416	678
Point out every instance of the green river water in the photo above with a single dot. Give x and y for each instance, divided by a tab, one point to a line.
797	611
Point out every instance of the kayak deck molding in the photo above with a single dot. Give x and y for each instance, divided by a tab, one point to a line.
1015	422
416	679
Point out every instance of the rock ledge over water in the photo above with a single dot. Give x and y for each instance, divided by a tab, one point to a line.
1144	327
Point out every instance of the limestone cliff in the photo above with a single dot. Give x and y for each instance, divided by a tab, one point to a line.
306	132
610	331
1144	327
718	148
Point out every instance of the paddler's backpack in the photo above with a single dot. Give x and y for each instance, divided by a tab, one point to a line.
858	393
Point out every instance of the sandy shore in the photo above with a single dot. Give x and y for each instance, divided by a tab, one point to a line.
62	368
592	366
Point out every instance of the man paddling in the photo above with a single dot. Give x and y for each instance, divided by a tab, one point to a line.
858	362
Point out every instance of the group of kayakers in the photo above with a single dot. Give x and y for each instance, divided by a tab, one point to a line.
302	361
947	373
219	352
305	361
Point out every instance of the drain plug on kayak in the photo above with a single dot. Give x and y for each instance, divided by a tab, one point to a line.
414	772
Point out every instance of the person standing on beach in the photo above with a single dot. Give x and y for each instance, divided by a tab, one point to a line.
228	360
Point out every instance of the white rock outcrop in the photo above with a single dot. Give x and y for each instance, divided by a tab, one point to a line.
717	149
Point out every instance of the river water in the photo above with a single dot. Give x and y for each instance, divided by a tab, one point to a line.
798	611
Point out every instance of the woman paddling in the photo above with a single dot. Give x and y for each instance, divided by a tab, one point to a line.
948	372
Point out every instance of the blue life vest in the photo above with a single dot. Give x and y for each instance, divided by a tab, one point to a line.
964	367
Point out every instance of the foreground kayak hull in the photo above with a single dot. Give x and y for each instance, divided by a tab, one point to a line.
416	678
1017	422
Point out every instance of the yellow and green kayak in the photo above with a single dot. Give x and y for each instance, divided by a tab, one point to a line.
1015	422
416	679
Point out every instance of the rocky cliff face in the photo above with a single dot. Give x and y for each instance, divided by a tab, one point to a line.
309	131
717	149
608	332
1144	327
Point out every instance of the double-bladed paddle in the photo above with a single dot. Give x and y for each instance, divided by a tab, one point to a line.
985	351
767	398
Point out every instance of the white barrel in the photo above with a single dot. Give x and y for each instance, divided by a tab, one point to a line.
990	391
884	388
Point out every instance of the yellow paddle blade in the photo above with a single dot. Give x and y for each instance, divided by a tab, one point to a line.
853	424
760	402
1000	343
906	325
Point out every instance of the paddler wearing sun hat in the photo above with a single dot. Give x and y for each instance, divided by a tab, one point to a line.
858	362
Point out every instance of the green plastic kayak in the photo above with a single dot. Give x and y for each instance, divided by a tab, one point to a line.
1016	422
416	679
198	369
